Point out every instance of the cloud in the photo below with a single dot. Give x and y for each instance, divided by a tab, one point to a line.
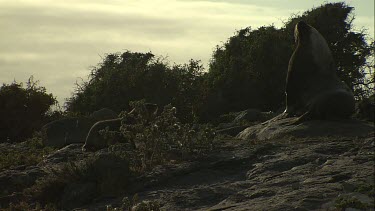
57	41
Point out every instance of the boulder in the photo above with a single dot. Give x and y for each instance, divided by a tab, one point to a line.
70	130
67	154
103	114
15	180
242	120
66	131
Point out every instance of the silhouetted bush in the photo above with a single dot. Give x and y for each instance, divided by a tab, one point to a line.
122	78
249	70
23	110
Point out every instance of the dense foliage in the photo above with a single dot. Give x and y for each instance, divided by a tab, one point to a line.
126	77
247	71
23	110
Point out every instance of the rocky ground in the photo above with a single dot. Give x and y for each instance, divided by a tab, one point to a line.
327	171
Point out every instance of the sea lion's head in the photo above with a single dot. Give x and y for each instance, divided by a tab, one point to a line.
309	39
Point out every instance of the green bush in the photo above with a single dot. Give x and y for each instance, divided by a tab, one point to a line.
125	77
23	110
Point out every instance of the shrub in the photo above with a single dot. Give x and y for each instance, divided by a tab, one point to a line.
124	77
163	138
23	110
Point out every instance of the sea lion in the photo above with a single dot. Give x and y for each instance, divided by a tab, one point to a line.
313	89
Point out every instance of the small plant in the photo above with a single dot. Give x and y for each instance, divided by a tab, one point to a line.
161	138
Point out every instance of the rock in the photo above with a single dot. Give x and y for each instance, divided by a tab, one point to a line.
278	174
84	178
62	132
253	115
70	153
103	114
284	127
109	172
66	131
223	126
17	180
76	195
232	131
242	120
287	173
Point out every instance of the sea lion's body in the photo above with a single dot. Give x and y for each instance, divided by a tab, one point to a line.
313	89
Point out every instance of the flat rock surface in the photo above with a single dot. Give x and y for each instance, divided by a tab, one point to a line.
317	128
286	172
282	174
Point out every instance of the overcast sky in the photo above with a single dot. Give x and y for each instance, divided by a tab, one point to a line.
58	40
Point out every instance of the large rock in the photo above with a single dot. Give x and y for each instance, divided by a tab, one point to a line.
242	120
67	154
284	127
280	174
103	114
13	181
66	131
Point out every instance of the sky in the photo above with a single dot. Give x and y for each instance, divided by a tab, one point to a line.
58	41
